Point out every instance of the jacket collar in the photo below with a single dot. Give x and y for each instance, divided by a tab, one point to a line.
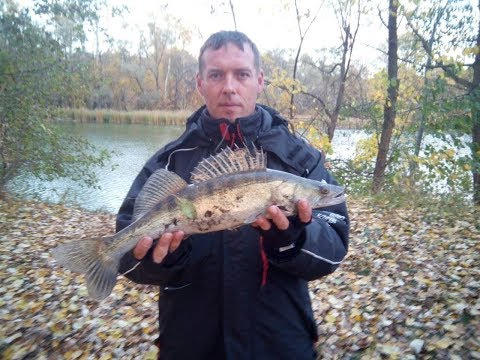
243	130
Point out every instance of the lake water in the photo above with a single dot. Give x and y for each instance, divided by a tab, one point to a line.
133	146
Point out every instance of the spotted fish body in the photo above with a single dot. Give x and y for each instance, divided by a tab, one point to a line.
228	190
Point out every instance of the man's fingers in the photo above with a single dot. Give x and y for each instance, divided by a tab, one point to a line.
263	223
278	217
161	249
168	242
304	211
142	247
177	239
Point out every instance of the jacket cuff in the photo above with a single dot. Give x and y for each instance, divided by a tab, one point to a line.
287	251
128	263
177	257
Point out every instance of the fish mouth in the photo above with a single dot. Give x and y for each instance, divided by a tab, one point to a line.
340	195
337	199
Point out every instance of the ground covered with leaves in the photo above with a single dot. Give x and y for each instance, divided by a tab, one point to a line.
408	289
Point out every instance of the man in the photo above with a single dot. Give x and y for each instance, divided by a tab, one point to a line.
238	294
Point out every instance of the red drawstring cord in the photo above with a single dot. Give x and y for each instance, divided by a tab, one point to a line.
228	136
239	133
264	262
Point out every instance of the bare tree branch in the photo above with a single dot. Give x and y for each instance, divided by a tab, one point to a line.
233	14
302	38
438	63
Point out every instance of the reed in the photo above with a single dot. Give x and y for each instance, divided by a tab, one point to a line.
109	116
164	117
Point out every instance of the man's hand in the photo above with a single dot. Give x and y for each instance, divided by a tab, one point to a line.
280	220
167	243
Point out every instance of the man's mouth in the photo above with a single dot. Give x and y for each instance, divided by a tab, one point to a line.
229	105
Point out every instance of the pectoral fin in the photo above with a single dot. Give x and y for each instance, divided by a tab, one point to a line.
251	218
159	185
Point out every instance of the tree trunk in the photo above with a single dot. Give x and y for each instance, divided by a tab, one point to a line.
476	122
165	87
389	109
423	120
344	67
421	127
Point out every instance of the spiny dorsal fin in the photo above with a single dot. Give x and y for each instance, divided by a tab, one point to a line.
158	186
228	162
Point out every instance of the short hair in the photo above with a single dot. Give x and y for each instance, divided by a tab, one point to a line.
222	38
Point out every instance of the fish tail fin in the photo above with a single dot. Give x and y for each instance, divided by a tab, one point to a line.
87	257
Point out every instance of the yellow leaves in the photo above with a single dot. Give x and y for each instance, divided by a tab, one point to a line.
442	344
105	357
356	315
316	138
423	280
391	350
281	79
410	274
152	354
406	287
47	312
473	50
366	150
449	153
319	141
73	354
330	318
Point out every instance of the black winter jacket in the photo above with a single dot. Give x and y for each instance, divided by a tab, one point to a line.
213	303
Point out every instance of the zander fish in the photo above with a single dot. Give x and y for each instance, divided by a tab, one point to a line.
228	190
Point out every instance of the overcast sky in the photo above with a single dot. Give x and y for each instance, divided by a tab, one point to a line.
266	22
269	23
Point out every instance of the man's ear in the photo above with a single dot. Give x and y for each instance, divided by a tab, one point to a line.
261	81
199	80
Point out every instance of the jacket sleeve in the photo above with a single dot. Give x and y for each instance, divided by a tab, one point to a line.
175	264
322	246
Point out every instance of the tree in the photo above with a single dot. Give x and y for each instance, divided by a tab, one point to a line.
301	33
68	22
390	103
433	22
32	69
225	8
459	34
182	85
348	14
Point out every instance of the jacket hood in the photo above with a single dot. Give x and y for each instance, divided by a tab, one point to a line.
261	129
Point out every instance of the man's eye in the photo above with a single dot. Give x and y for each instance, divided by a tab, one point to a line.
244	75
214	76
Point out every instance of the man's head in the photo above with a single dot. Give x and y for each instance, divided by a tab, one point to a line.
229	78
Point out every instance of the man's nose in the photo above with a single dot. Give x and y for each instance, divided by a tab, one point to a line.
229	85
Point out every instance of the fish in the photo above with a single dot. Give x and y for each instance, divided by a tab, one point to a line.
226	191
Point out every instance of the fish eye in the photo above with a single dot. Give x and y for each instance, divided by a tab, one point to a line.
323	190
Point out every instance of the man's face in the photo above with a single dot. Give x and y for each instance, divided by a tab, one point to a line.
229	82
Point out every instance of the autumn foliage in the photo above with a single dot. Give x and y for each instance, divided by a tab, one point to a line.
408	286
